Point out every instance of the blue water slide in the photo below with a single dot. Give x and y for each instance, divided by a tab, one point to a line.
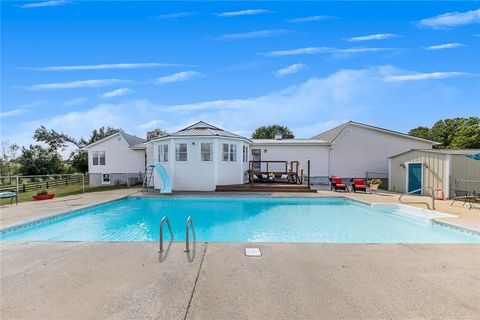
164	177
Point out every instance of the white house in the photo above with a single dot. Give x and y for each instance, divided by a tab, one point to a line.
201	156
357	148
116	159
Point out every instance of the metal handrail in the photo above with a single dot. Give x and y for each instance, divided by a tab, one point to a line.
187	237
414	191
160	241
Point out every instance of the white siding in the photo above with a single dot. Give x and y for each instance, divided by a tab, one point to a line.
119	158
358	149
197	175
317	154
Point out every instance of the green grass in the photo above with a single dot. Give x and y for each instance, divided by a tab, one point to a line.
63	192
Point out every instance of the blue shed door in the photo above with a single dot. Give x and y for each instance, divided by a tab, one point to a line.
414	177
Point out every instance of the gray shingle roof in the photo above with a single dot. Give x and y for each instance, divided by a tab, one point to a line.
131	140
203	129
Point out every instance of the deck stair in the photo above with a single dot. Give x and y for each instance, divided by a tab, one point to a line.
264	187
148	178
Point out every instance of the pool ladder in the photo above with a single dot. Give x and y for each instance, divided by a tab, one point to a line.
415	191
188	226
160	240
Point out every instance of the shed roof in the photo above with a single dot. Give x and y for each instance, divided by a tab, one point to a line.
442	151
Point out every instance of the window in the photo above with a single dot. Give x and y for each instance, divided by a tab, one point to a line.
95	158
233	152
181	151
206	150
106	178
229	152
102	157
225	152
98	158
245	153
163	153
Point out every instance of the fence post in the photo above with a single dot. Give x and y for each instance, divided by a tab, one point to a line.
83	183
308	172
17	180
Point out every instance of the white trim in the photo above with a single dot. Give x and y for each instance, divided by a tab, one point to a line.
389	174
407	164
105	139
448	172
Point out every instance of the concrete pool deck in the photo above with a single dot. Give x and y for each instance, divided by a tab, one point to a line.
125	280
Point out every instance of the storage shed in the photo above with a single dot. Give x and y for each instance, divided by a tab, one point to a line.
447	170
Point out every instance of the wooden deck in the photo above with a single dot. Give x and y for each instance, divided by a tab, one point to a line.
264	187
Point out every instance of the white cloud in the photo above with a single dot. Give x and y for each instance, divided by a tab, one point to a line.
176	15
75	102
307	108
12	113
53	3
298	51
291	69
153	124
243	12
377	36
445	46
252	34
319	50
311	19
451	19
179	76
115	93
75	84
106	66
427	76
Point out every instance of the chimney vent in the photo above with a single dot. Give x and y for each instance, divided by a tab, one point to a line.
278	136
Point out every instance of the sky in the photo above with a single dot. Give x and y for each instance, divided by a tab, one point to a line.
74	66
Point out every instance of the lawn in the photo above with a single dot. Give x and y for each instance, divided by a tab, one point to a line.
63	191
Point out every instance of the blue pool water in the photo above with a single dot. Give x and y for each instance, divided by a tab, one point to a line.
332	220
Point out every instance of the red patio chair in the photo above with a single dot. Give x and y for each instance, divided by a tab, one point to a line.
359	185
337	184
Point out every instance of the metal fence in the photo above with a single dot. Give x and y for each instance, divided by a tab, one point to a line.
23	184
464	185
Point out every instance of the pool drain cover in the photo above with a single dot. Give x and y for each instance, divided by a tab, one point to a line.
253	252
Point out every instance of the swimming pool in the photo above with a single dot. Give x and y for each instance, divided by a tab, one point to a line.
328	220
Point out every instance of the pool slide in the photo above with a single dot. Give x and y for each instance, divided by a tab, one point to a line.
164	177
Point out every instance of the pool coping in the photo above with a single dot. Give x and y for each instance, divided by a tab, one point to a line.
63	213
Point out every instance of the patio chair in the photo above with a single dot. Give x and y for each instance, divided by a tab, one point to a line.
10	195
475	199
337	184
461	196
359	185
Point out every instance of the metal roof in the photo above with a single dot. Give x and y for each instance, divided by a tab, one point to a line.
202	129
442	151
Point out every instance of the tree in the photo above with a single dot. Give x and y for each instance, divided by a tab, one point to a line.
36	160
269	132
421	132
455	133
